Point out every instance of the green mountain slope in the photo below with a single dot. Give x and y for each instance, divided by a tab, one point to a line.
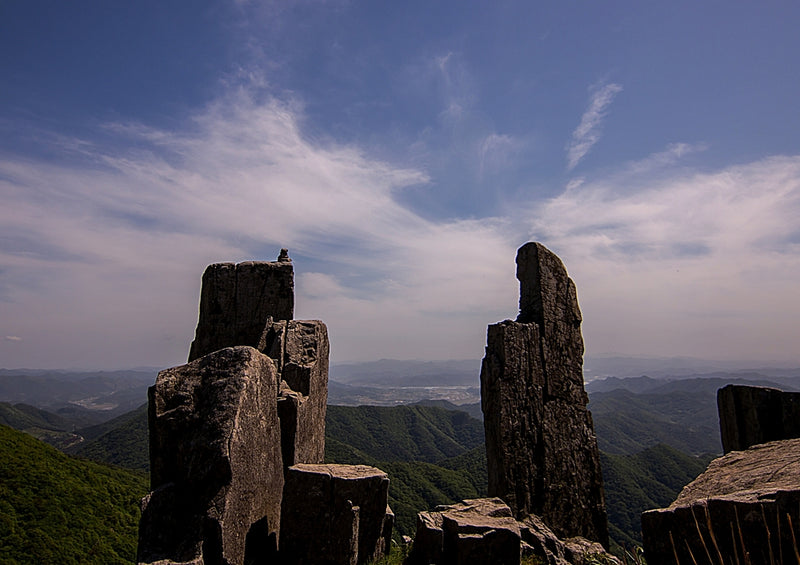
649	479
41	424
57	509
405	441
627	423
122	441
404	433
436	456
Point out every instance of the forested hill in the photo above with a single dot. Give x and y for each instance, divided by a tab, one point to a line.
432	455
58	509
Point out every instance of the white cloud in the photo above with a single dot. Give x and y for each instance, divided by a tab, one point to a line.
587	134
12	338
691	263
101	258
129	232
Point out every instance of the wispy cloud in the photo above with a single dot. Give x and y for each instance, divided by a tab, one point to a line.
109	248
12	338
588	132
128	233
662	254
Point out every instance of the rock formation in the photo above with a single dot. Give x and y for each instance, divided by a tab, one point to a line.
485	532
541	449
236	301
749	415
241	421
747	503
300	350
335	514
216	465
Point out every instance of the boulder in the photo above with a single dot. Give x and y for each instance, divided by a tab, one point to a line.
335	514
479	531
215	460
749	415
484	531
539	541
541	448
745	503
236	301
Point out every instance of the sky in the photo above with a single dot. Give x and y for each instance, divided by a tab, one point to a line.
403	152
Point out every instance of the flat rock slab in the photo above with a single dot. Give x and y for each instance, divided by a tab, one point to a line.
335	514
746	501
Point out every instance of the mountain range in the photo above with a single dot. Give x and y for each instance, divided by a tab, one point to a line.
656	435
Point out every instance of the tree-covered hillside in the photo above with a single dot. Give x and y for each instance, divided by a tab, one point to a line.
422	448
122	441
436	456
404	433
649	479
58	509
626	422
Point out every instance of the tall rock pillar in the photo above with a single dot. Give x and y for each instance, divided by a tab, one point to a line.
540	444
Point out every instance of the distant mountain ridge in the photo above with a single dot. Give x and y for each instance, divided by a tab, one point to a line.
397	373
104	394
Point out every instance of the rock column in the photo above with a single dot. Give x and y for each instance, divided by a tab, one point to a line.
216	467
541	449
749	415
236	301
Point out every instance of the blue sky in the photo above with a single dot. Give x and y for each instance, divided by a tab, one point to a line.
402	152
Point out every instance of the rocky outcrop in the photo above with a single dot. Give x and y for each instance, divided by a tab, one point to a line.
300	349
484	531
237	300
244	415
335	514
541	449
749	415
747	503
215	454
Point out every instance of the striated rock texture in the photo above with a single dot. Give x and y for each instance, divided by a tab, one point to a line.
237	300
746	503
335	514
541	449
300	349
241	422
215	456
484	531
749	415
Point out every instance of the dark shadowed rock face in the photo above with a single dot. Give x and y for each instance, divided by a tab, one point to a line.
215	453
335	514
749	415
745	502
237	300
541	449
